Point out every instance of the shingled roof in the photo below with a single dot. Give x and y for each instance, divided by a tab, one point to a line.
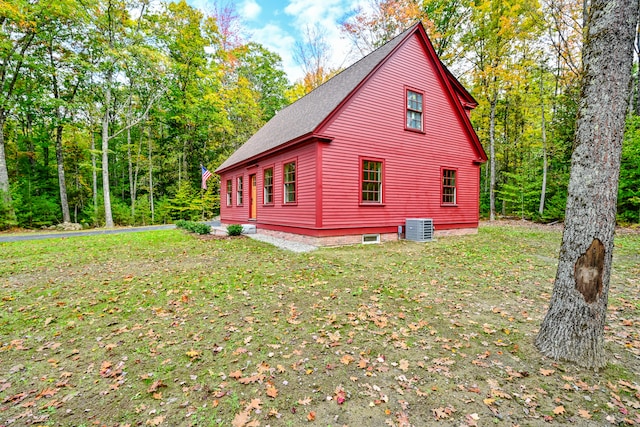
302	118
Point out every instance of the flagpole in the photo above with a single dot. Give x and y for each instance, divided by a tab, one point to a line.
202	190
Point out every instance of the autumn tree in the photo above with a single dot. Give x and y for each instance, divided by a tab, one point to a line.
312	53
573	328
497	32
18	31
371	27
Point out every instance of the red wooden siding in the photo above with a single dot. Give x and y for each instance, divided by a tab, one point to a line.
372	125
299	214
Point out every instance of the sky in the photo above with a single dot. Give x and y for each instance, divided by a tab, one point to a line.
277	24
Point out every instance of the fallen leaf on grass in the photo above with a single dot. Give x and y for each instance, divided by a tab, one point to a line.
489	401
472	420
251	379
546	372
584	414
272	391
346	359
340	395
254	404
305	401
235	375
156	421
403	365
559	410
442	412
193	354
311	416
240	420
47	392
155	386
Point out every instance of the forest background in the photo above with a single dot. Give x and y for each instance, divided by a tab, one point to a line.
108	107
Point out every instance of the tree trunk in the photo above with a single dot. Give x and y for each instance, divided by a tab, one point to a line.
637	103
130	167
106	194
66	217
94	173
151	182
573	328
492	161
4	173
543	124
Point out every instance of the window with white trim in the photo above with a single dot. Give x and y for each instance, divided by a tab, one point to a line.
449	187
239	191
268	186
229	193
289	179
414	110
371	181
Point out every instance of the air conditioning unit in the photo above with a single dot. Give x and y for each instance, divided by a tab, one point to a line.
419	229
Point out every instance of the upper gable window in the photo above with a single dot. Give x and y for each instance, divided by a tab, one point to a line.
414	110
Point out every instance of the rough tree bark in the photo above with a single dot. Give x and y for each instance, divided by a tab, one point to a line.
573	328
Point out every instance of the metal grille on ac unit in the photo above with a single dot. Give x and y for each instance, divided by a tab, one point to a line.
419	229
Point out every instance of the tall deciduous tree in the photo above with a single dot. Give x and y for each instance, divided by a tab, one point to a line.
63	36
312	54
573	328
498	29
18	29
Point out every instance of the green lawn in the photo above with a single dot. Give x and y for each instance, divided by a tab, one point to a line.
164	328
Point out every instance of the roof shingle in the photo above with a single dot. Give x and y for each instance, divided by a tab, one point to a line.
305	115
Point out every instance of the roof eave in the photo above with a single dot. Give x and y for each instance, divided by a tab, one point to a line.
308	137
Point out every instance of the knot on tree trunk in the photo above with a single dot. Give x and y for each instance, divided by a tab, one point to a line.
588	271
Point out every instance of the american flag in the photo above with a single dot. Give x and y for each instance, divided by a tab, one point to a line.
205	176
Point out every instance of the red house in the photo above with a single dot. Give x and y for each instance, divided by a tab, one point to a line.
387	139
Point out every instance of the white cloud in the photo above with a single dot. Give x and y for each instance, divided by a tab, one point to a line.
250	10
327	14
276	39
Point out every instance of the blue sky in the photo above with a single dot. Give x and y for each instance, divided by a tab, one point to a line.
277	24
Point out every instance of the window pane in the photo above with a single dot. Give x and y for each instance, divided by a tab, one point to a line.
414	101
448	186
414	120
268	186
239	191
290	182
371	181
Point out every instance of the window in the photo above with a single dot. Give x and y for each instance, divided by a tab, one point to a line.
370	238
289	182
268	186
371	181
239	191
448	187
414	110
229	193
